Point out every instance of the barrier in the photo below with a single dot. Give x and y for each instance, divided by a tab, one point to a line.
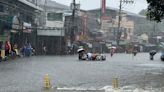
115	83
47	83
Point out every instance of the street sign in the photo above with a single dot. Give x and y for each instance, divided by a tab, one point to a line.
76	6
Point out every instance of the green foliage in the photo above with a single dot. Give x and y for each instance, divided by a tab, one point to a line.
155	10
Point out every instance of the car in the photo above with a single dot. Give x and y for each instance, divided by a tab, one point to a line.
162	56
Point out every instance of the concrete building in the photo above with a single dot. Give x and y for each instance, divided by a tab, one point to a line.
52	33
110	24
127	28
17	20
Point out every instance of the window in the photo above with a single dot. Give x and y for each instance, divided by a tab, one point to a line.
55	17
1	8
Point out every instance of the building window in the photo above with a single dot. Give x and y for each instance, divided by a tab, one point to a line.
1	8
55	17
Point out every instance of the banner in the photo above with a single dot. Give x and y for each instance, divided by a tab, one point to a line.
103	7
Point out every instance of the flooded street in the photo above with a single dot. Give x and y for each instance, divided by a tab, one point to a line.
60	45
27	74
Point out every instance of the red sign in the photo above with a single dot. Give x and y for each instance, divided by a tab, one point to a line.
85	18
106	18
103	8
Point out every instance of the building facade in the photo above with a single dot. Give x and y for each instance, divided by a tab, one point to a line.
110	24
52	34
18	21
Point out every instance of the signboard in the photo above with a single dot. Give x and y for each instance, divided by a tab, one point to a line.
103	6
58	24
51	32
16	23
27	27
76	6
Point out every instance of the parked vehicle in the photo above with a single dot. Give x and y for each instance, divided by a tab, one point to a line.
162	56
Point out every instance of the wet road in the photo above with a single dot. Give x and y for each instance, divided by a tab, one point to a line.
27	74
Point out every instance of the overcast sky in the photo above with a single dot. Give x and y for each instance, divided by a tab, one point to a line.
92	4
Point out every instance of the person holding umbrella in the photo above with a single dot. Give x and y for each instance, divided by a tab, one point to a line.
152	53
81	52
112	51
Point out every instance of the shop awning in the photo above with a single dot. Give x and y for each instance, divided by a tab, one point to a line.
31	5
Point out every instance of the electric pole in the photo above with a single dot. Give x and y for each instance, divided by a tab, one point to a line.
73	25
73	22
73	11
120	18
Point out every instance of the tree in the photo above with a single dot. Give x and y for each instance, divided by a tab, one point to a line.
155	10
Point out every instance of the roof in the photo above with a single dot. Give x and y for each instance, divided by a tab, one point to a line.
111	8
31	5
117	10
134	14
53	4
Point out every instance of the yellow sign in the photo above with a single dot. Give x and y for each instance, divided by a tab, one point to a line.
3	54
83	37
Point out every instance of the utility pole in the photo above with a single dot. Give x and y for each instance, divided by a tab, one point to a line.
73	7
73	11
120	18
73	24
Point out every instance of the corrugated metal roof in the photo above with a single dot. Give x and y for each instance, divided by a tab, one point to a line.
57	5
52	4
31	5
117	10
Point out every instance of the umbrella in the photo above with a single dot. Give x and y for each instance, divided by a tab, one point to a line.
80	50
80	47
153	52
113	47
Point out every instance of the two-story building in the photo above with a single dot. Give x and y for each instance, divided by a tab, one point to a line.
52	34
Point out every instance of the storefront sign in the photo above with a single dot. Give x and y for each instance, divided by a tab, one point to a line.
27	27
51	32
16	25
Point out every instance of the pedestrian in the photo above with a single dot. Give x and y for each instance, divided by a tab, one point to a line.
15	49
152	53
7	48
28	50
44	50
23	51
0	57
13	52
112	52
89	56
134	52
